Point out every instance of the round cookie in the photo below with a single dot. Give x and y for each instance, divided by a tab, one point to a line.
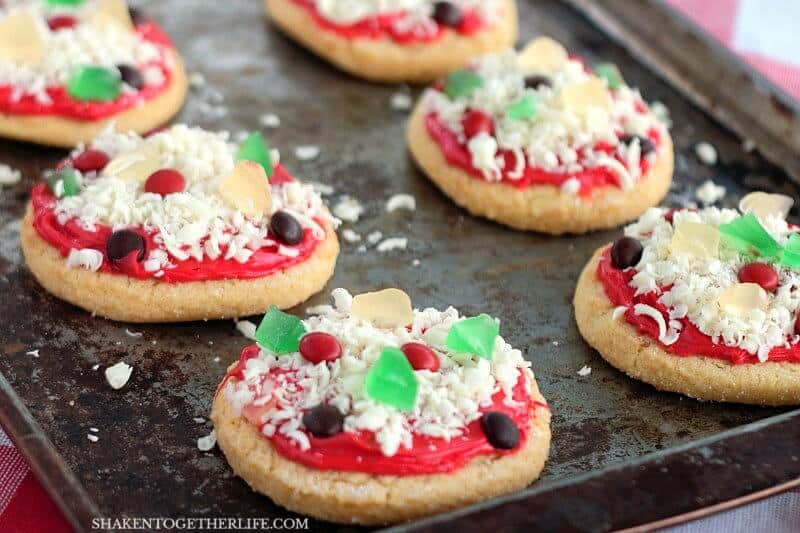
362	472
748	363
412	48
504	157
181	225
133	78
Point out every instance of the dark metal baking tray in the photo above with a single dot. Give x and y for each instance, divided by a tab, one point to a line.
623	454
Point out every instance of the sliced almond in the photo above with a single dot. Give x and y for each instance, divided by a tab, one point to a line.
743	298
696	239
135	166
592	93
20	39
112	12
389	308
542	55
763	204
247	189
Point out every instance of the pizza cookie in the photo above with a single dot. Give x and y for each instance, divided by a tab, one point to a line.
397	40
704	303
70	67
370	412
538	141
180	225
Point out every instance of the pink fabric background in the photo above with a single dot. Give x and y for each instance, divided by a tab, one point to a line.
764	33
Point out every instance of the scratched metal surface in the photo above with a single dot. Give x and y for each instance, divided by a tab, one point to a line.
146	462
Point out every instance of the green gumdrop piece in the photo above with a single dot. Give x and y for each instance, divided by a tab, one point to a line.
523	109
71	187
255	149
280	332
610	73
94	83
748	236
791	252
474	335
67	177
391	380
56	3
461	83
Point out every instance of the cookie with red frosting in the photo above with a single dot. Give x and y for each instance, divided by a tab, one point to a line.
70	67
701	302
397	40
370	412
538	140
183	224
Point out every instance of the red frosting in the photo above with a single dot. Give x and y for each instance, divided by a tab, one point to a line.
359	452
384	26
64	105
691	341
458	155
263	262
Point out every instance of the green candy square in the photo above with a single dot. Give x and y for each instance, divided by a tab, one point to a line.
790	258
392	381
748	236
523	109
255	149
89	83
68	178
462	83
68	3
610	73
474	335
280	332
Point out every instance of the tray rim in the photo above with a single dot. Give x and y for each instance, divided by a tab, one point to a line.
597	485
44	460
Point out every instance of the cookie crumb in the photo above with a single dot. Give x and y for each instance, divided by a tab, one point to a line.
401	201
306	152
585	371
350	235
400	101
706	153
197	80
118	374
270	120
709	192
348	209
246	328
208	442
661	112
322	188
393	243
9	176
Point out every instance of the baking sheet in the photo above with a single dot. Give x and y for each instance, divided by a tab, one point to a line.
146	462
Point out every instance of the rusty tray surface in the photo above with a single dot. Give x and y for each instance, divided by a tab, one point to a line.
623	453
